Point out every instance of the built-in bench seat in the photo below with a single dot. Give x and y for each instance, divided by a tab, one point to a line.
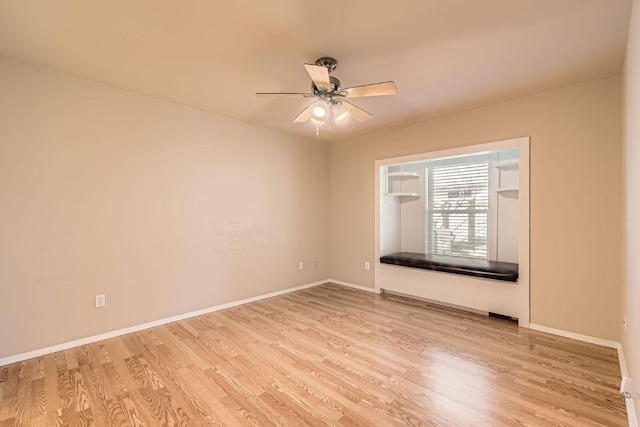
496	270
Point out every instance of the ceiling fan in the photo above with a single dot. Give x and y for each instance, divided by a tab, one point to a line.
331	97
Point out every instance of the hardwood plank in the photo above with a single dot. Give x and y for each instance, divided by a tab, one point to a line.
81	397
65	390
123	408
69	417
222	412
158	408
22	396
38	398
70	359
113	379
52	395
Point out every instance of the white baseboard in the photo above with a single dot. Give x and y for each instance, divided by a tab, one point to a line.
579	337
632	416
354	286
623	362
83	341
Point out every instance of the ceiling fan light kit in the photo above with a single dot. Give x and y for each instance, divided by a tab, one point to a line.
340	114
330	105
319	112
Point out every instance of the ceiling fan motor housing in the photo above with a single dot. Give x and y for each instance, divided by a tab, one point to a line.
335	87
327	62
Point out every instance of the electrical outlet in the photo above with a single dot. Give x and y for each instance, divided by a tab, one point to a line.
101	301
301	265
366	265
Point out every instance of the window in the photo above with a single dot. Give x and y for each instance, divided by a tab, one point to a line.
457	207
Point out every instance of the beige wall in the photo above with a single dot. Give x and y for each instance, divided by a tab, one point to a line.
631	117
164	208
575	197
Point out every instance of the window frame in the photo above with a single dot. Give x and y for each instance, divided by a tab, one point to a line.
473	158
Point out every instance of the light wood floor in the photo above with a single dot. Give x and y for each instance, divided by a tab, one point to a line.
328	355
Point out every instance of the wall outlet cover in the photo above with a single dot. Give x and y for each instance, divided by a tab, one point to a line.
101	300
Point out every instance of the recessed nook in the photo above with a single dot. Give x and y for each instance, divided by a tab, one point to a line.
452	226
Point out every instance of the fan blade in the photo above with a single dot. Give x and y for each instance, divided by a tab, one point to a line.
284	95
356	112
305	114
376	89
319	75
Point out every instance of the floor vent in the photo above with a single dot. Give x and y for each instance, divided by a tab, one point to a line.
503	317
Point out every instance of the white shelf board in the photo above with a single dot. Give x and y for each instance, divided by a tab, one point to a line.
508	164
408	174
404	194
505	189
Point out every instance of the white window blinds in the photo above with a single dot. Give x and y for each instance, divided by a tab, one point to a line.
457	211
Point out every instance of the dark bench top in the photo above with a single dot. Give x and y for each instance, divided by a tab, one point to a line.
496	270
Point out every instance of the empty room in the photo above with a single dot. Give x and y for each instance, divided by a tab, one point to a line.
291	213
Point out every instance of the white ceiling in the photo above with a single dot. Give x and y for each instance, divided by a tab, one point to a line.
444	55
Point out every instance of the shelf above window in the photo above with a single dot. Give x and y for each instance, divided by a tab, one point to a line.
507	164
505	189
405	174
398	185
404	194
